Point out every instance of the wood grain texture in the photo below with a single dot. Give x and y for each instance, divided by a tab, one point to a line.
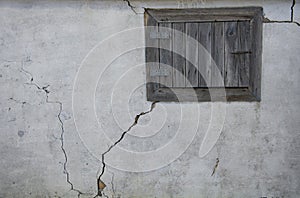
217	54
178	61
235	44
152	56
203	94
231	61
192	74
244	52
165	55
204	14
256	56
204	58
237	53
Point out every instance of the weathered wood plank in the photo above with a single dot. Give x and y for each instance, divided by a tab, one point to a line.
217	54
178	61
204	58
152	55
204	14
192	74
256	55
244	52
203	94
165	55
231	60
237	54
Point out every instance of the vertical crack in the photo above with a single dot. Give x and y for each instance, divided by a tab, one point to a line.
100	184
292	10
292	13
112	184
47	92
62	144
216	166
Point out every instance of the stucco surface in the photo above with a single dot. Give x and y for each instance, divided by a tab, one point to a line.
49	147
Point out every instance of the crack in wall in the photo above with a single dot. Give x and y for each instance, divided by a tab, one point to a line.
131	6
292	13
112	184
47	92
17	101
292	9
266	20
100	184
215	167
105	195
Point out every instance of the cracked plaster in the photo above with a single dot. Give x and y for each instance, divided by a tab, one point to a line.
261	143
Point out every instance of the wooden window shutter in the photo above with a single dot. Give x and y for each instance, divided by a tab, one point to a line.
231	36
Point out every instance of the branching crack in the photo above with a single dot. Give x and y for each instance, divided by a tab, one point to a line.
131	6
266	20
292	13
100	183
47	92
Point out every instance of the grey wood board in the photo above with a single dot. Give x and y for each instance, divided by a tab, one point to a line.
204	14
165	55
152	55
204	54
178	61
217	54
192	74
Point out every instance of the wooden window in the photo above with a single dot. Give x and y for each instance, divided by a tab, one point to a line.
176	67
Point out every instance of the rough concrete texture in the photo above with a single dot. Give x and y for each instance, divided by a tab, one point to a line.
46	151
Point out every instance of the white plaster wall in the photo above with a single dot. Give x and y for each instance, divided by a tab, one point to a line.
46	151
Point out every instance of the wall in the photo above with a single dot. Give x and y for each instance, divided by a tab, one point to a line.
52	142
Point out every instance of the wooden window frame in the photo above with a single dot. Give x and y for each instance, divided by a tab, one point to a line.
250	93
